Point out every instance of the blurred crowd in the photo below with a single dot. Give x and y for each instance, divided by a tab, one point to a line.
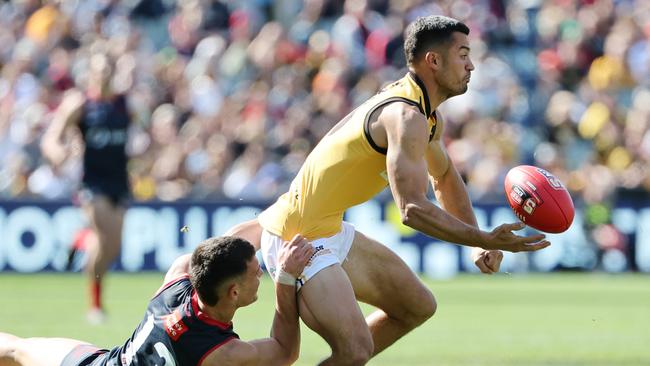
228	97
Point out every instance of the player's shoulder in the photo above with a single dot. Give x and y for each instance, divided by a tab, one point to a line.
179	268
175	284
402	111
233	352
404	119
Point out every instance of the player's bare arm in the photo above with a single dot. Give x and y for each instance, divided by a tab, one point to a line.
451	193
180	267
407	139
249	230
282	348
67	114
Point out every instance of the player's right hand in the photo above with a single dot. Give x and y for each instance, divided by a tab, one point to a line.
503	238
294	255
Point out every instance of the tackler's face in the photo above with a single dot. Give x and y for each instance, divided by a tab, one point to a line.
249	283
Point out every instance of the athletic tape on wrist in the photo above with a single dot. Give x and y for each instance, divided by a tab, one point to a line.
285	278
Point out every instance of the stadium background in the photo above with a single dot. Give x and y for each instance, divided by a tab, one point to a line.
230	96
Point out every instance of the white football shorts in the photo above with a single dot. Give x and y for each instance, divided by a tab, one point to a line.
327	252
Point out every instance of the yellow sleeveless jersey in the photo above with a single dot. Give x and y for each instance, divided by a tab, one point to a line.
345	169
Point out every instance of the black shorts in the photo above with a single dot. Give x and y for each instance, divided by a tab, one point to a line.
84	355
118	194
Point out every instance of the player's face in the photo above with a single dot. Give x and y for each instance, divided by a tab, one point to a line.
250	283
457	66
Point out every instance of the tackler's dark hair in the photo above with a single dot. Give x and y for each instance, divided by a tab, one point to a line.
217	260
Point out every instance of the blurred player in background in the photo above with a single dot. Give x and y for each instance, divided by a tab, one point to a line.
395	139
189	320
103	119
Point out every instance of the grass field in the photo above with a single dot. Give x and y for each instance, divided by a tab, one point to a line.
557	319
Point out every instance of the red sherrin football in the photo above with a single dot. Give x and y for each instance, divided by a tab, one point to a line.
539	199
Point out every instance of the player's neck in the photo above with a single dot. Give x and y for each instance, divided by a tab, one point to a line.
435	93
220	312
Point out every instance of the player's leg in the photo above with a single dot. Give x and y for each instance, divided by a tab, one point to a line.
326	298
15	351
249	230
327	306
380	278
106	220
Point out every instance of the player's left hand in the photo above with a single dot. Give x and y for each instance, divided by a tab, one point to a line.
488	261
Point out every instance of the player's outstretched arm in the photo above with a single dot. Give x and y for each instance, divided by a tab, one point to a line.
68	113
283	347
407	135
448	186
451	193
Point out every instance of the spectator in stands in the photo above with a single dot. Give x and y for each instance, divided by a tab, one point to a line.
568	80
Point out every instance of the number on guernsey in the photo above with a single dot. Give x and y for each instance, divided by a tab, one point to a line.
139	340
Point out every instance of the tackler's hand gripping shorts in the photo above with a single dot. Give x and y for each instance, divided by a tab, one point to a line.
327	252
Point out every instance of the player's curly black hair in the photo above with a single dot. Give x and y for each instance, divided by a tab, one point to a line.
427	32
216	260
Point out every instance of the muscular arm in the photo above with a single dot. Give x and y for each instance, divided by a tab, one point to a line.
407	135
283	346
449	188
451	192
67	114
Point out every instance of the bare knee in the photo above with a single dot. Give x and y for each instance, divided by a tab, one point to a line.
353	351
428	305
108	245
112	249
420	307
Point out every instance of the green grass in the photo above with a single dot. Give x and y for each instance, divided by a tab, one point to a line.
557	319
